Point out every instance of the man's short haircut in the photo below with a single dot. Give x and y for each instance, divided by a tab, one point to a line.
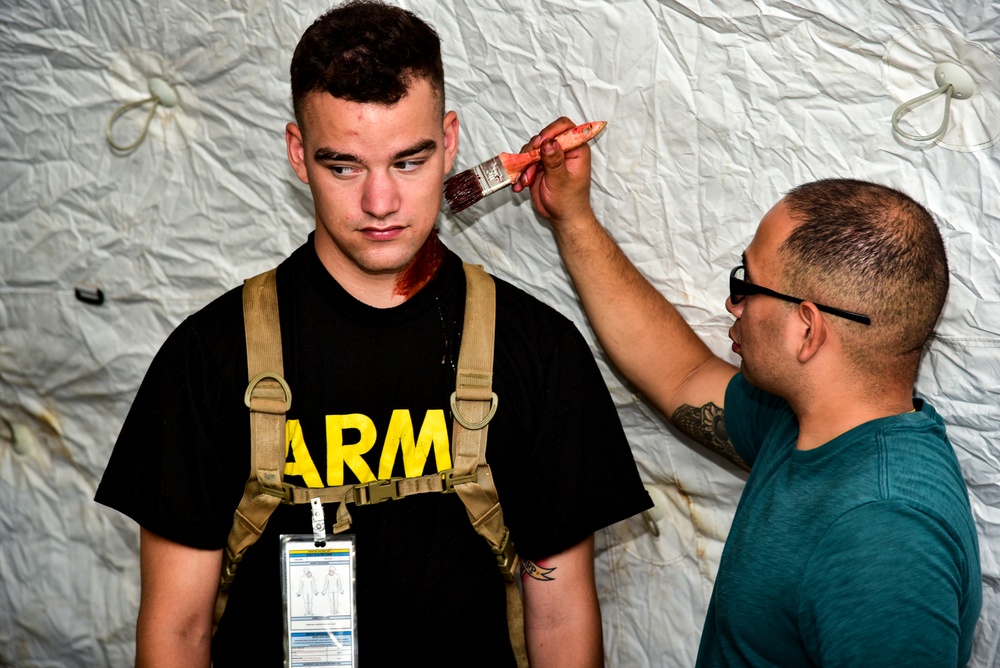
870	249
365	51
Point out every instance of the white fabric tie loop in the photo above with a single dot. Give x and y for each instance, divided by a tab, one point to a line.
953	81
160	93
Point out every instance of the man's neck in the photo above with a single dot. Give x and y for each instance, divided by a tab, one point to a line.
422	269
376	290
833	414
385	290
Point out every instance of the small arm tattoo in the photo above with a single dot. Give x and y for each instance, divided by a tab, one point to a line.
530	569
707	425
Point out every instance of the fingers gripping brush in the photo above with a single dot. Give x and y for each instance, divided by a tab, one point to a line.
468	187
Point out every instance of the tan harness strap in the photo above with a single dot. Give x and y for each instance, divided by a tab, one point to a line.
268	398
376	491
369	493
473	405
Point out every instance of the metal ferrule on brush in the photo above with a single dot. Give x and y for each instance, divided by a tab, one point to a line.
491	175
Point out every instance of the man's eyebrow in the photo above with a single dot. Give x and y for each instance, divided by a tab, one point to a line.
743	261
330	155
419	147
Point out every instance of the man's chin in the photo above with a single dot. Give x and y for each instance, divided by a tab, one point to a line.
769	386
385	260
749	374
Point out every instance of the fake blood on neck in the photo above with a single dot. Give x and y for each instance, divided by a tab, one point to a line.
422	269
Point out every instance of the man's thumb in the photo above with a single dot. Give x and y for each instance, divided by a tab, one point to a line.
553	158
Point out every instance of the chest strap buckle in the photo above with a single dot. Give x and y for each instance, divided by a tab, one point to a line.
376	491
449	479
506	556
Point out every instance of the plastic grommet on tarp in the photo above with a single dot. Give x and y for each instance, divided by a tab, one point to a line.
21	437
653	515
922	58
953	82
160	93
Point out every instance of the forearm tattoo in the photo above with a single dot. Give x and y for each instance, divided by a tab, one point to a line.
707	425
529	569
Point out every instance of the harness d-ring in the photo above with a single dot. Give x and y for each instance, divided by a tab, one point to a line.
268	375
494	400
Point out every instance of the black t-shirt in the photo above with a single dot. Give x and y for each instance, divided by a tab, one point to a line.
370	384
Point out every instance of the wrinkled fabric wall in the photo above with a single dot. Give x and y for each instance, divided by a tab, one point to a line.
716	108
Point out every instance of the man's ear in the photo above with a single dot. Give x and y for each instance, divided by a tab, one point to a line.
296	151
450	139
813	331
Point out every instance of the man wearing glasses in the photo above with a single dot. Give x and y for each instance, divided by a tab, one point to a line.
853	543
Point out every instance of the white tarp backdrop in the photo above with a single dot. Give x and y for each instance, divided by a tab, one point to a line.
716	108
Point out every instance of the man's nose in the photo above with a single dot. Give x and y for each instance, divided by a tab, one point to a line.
735	309
381	195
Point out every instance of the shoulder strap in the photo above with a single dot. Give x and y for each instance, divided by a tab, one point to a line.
473	405
268	398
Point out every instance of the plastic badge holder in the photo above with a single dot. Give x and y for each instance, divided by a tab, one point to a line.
318	586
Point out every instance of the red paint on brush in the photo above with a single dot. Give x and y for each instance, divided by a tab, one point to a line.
465	188
462	191
421	269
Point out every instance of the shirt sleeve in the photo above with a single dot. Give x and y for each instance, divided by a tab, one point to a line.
171	469
883	589
578	474
750	414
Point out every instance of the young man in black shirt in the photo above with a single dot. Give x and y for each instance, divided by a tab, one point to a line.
371	310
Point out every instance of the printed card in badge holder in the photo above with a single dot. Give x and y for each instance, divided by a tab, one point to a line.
318	592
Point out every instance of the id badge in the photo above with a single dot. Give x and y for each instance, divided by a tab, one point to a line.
318	595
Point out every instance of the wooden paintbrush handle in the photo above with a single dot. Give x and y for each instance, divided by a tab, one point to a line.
515	163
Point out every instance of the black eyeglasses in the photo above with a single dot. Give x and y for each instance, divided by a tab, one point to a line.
739	289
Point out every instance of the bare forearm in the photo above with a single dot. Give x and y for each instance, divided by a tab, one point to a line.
179	584
644	335
165	647
572	642
562	616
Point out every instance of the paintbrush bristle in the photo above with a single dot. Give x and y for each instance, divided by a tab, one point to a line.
462	191
468	187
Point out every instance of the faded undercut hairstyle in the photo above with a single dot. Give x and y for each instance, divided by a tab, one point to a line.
870	249
365	51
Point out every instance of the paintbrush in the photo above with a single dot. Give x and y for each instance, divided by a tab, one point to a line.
468	187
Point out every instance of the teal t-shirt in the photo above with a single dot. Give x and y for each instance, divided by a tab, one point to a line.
862	552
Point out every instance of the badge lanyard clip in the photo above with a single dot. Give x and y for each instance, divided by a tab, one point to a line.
318	522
